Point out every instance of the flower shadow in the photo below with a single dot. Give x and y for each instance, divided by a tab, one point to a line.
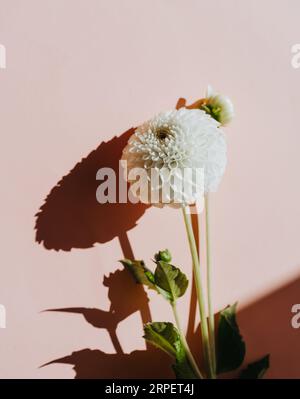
71	217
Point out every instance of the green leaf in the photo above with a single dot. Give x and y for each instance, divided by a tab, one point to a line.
230	345
166	337
170	280
182	367
256	370
139	271
167	280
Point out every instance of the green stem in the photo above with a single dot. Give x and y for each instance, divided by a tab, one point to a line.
211	319
200	296
185	344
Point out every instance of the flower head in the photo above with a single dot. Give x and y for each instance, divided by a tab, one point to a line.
218	106
170	144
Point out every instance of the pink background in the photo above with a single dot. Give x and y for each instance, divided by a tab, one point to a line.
81	72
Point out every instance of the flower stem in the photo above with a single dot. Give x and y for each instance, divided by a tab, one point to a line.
211	320
200	296
185	344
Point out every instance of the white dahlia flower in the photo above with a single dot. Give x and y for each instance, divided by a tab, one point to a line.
220	107
169	150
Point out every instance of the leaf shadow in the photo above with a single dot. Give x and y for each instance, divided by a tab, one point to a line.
88	363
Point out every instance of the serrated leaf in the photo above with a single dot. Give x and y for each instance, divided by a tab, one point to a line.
256	370
166	337
230	345
140	272
171	280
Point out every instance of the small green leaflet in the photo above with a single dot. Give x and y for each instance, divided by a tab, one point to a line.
171	280
167	279
139	271
163	335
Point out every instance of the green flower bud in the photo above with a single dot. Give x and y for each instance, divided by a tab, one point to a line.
164	255
218	107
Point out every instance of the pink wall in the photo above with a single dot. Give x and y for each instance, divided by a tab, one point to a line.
81	72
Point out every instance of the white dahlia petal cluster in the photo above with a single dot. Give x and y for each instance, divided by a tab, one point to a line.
168	145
